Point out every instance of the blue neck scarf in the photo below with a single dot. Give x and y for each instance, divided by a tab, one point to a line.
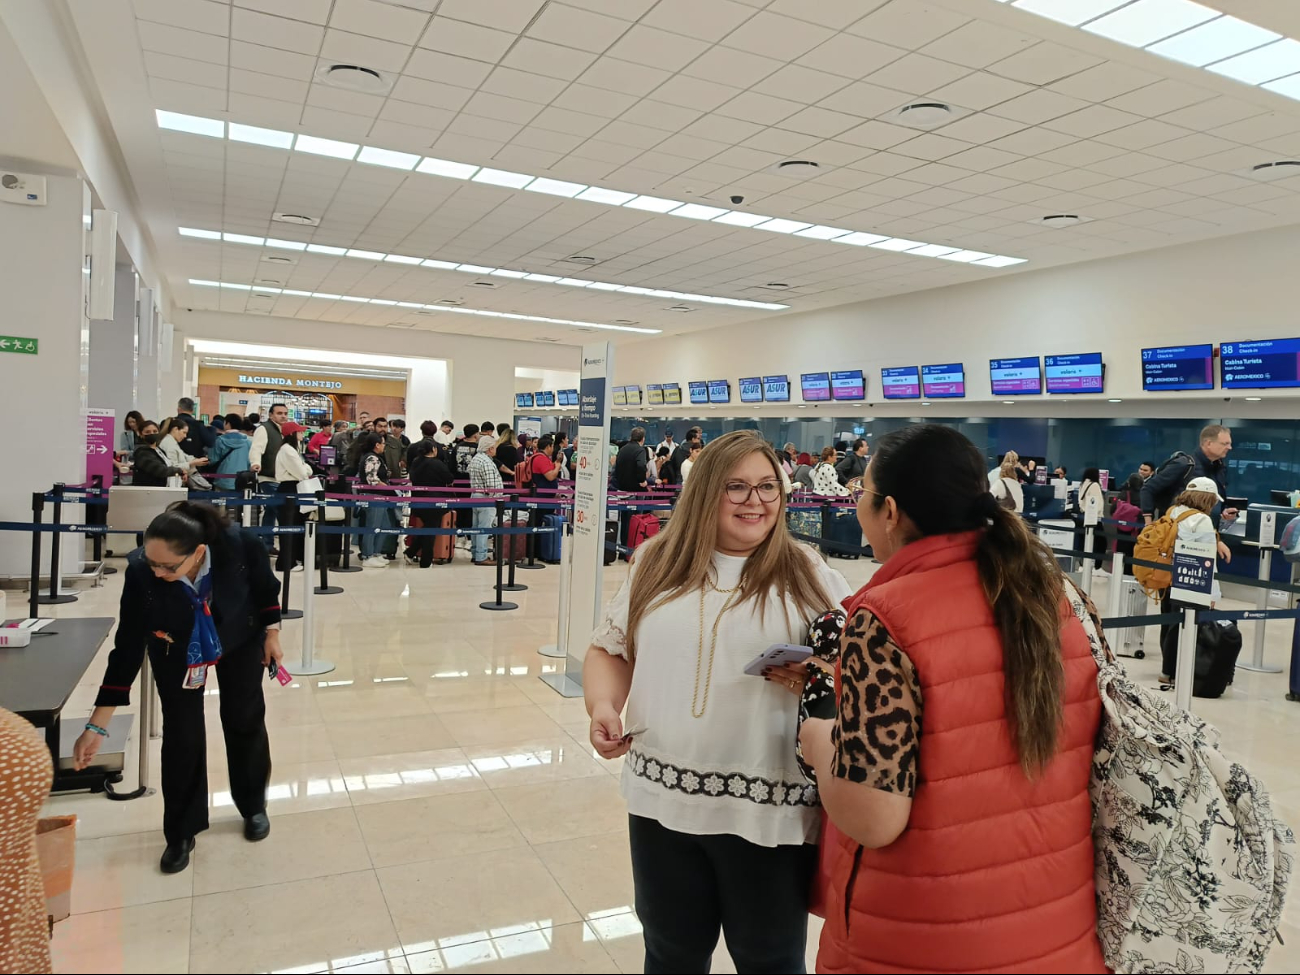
204	647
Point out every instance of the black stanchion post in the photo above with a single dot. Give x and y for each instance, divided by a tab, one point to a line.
287	570
346	562
97	482
55	597
34	591
826	526
508	541
322	556
498	605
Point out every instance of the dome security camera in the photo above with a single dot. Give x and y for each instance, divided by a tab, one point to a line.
737	200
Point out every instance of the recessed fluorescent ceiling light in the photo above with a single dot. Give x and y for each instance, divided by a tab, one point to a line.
477	269
326	147
193	124
274	138
1277	60
1286	86
779	225
288	245
502	177
555	187
1148	21
432	166
1214	41
897	244
698	211
387	157
936	250
445	167
996	261
1072	12
655	204
463	311
965	257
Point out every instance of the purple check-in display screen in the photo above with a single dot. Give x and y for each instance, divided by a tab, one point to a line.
1080	373
815	386
943	382
1178	367
1023	376
848	385
901	382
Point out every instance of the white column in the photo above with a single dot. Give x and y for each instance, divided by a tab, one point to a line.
112	352
42	254
148	368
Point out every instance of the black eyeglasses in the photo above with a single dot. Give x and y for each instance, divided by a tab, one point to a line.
173	567
739	492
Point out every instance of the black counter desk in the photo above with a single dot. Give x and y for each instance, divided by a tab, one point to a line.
37	680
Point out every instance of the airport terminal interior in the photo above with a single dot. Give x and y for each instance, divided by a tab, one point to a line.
490	246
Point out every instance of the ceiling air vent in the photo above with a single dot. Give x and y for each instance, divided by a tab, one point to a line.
299	219
491	285
1279	169
1062	219
924	115
799	168
353	77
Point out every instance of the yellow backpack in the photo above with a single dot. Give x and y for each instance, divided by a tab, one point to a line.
1156	544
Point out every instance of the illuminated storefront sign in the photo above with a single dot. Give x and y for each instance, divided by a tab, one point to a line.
293	383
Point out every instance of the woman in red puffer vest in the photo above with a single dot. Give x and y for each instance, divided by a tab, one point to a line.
955	776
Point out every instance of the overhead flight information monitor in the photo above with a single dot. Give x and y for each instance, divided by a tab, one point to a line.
633	394
1079	373
672	394
719	391
815	386
620	396
654	395
523	401
1178	367
943	382
1022	377
699	392
848	385
1269	364
751	390
546	398
901	382
776	389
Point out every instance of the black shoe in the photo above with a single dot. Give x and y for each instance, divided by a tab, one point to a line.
176	857
257	827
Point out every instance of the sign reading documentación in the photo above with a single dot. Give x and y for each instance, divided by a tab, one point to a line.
17	344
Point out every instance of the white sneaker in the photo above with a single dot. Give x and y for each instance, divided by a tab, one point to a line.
375	562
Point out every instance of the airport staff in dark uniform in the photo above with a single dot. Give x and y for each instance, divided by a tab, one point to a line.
199	595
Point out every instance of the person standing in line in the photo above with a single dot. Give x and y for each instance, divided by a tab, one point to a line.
199	594
320	438
722	824
507	453
1007	489
292	469
789	459
150	466
466	447
229	455
485	481
262	454
446	434
374	473
172	434
563	453
689	462
955	775
198	436
394	454
130	431
1192	513
1146	469
1090	492
826	479
424	461
397	428
1210	460
854	463
631	463
340	439
683	450
668	442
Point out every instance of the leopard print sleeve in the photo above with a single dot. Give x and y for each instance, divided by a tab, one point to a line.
878	732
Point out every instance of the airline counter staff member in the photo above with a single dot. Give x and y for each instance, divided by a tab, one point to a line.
200	593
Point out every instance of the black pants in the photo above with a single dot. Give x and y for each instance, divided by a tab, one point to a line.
1170	633
291	546
184	736
688	888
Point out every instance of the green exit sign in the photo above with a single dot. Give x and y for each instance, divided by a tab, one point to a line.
16	344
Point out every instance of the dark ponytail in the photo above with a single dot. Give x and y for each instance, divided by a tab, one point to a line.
1019	575
186	525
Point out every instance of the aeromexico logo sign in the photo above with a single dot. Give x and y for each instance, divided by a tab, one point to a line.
295	383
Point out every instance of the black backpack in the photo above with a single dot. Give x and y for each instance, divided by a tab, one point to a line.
1182	462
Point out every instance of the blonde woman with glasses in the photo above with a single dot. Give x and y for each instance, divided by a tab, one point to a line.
721	821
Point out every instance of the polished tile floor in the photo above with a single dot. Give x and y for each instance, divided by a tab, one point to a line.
435	806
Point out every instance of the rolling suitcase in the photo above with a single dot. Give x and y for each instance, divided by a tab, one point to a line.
845	530
516	545
1293	691
641	528
1131	640
548	545
804	523
611	541
444	546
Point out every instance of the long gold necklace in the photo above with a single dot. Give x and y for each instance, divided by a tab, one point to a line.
698	707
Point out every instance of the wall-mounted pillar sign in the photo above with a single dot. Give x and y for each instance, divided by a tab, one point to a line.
17	344
590	489
99	445
1193	568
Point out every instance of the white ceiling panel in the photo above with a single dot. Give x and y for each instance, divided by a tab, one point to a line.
693	101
